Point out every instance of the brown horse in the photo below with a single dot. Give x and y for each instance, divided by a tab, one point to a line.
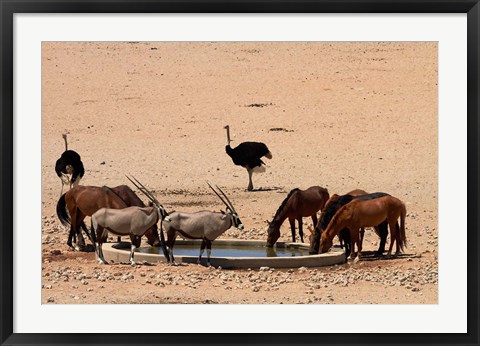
297	204
334	203
81	201
367	213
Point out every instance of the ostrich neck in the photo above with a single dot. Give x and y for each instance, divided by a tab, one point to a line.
66	144
228	136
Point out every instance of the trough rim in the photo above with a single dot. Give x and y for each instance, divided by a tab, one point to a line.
121	255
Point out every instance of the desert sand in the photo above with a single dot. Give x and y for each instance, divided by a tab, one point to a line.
338	115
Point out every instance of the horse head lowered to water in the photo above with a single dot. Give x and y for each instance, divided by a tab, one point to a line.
367	213
297	205
334	203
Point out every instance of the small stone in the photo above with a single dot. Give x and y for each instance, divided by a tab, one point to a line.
50	300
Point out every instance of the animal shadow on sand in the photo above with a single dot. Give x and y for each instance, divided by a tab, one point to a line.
370	256
271	188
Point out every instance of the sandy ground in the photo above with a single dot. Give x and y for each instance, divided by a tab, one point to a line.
351	115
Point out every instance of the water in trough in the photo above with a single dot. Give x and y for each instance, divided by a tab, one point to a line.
225	250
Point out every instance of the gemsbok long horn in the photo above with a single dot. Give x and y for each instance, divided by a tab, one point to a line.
228	206
228	200
144	190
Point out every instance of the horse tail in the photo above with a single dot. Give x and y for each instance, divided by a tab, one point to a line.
62	212
403	237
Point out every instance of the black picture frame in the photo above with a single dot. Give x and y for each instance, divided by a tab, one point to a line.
10	7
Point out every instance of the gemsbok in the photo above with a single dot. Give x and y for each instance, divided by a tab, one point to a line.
205	225
131	221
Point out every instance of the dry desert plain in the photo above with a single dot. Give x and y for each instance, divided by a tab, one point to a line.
339	115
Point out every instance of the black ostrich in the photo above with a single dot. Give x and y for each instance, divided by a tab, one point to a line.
248	155
69	164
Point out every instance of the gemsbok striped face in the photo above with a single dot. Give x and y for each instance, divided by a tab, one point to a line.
163	213
235	220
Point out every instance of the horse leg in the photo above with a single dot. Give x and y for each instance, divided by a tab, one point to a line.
202	248
135	240
345	239
314	220
397	230
359	245
362	233
300	228
78	228
89	235
292	228
382	231
353	241
75	231
393	236
70	237
73	217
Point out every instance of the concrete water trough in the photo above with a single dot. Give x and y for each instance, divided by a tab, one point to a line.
231	253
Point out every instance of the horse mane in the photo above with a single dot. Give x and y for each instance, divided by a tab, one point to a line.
282	205
330	211
335	220
327	215
372	196
333	207
112	191
116	194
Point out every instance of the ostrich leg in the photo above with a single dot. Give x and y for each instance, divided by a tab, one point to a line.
250	182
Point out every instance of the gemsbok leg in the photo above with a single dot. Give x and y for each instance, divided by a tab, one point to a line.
208	244
202	248
135	240
209	251
101	237
171	236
